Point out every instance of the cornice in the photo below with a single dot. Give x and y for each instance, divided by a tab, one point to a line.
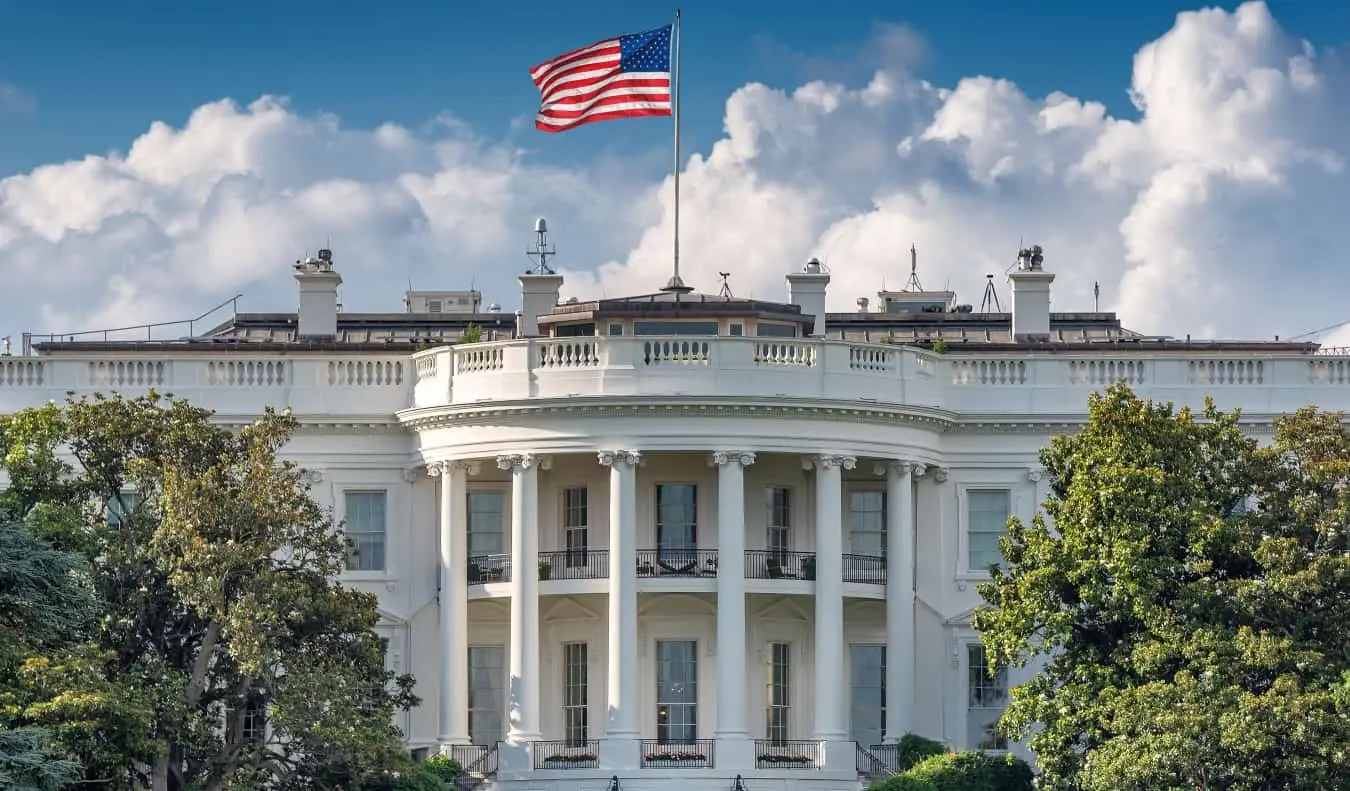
423	418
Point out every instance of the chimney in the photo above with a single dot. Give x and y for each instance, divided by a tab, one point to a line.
538	295
806	290
1030	297
318	283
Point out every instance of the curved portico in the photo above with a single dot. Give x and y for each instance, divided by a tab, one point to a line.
636	548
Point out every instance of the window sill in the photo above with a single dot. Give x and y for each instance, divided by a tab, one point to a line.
368	576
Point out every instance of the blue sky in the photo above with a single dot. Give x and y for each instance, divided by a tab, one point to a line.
965	127
98	73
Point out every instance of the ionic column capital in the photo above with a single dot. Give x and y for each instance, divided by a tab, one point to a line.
1034	474
619	458
827	461
722	458
437	469
898	467
517	462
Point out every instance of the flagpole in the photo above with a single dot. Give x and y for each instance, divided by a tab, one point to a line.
676	284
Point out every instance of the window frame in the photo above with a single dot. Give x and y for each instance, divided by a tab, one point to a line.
1001	744
876	487
502	490
347	493
500	703
963	568
778	693
576	553
576	732
692	704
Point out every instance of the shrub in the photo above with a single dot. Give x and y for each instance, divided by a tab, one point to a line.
443	767
968	771
913	748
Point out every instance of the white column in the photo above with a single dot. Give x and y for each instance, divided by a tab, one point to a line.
831	675
899	600
623	672
731	655
522	682
454	602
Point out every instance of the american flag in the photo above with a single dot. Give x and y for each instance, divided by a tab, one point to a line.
624	77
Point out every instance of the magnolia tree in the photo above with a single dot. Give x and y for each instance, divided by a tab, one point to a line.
1192	603
218	651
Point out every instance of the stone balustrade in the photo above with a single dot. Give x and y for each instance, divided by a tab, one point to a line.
336	385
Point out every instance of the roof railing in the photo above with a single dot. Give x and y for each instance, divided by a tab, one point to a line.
29	338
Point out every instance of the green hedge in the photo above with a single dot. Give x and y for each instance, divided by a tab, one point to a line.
963	771
913	748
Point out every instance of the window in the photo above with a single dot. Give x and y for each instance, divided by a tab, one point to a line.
253	727
867	694
575	712
365	528
677	526
988	510
674	328
867	522
121	507
485	522
778	517
779	711
736	330
988	697
575	518
487	693
676	691
433	306
615	329
775	330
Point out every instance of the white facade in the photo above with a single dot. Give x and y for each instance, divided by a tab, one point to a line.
674	558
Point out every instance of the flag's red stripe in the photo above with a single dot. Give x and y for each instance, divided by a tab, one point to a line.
607	46
598	59
576	93
634	113
576	111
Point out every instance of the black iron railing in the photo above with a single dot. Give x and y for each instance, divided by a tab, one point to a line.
887	756
865	568
771	564
678	755
774	754
566	755
872	763
574	564
489	568
677	562
478	762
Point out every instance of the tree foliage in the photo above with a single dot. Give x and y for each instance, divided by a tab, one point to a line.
212	574
1191	604
969	770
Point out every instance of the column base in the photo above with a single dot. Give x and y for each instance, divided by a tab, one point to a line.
620	753
735	752
515	756
838	755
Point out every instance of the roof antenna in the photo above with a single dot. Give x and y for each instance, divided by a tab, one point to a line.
1096	297
725	291
913	282
990	297
542	252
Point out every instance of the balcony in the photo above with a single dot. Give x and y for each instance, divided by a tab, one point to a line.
676	562
489	568
866	569
567	755
771	564
574	564
698	754
776	754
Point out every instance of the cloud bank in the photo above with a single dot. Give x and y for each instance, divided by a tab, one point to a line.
1215	213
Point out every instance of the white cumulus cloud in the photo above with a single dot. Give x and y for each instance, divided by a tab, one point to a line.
1213	212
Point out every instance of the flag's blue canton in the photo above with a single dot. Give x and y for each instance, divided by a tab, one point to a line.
649	51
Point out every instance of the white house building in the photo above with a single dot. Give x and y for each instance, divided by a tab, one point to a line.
679	537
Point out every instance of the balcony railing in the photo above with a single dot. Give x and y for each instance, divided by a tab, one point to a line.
771	564
871	764
886	757
574	564
868	569
773	754
489	568
567	755
677	562
678	755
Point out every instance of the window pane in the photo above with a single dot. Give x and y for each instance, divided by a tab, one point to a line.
676	691
576	516
364	526
778	712
485	522
487	693
988	512
987	697
867	694
867	522
575	693
676	516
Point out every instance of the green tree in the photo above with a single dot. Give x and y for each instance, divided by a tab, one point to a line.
214	572
1191	604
